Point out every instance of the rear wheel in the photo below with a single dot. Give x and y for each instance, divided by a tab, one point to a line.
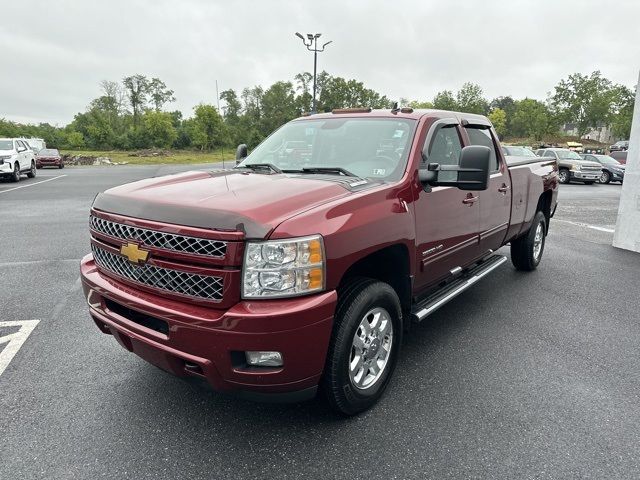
364	346
605	177
16	173
526	251
61	165
564	176
32	171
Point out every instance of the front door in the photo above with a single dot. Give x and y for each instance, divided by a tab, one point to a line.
495	201
447	219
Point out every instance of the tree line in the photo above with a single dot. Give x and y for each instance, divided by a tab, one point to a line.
132	113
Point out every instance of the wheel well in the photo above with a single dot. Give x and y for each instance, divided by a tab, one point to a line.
389	265
544	206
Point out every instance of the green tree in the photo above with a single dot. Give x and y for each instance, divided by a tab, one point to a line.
159	129
206	129
533	118
498	118
584	100
74	140
469	99
623	103
417	104
159	94
137	88
445	101
278	106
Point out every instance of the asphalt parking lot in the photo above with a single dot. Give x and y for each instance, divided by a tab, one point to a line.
524	376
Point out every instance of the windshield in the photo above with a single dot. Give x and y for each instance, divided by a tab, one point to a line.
6	145
375	148
568	154
519	151
48	152
607	160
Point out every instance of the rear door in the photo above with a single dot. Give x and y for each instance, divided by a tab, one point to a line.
495	202
447	219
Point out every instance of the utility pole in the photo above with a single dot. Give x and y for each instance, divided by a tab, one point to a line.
311	42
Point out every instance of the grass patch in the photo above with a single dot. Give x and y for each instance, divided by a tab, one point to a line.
171	157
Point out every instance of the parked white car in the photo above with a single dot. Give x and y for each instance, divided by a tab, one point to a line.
16	157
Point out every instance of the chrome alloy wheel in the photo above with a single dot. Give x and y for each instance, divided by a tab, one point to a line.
371	348
563	176
537	242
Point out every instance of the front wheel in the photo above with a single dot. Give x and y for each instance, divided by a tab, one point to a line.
16	173
364	346
605	177
526	251
564	176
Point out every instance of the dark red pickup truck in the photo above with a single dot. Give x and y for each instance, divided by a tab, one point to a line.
303	267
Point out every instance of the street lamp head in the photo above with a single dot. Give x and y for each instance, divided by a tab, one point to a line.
317	35
310	36
298	34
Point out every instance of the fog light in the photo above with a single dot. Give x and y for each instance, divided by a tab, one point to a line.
264	359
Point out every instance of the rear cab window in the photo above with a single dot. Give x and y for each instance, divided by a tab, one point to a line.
484	137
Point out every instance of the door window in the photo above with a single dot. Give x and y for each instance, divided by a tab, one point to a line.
549	153
445	149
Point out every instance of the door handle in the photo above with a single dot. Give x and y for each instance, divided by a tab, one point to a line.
504	188
469	200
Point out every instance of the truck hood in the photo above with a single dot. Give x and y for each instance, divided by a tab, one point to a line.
226	200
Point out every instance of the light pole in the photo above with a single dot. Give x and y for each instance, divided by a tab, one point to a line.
311	42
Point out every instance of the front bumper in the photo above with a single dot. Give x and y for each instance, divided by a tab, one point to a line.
48	162
208	343
589	176
6	168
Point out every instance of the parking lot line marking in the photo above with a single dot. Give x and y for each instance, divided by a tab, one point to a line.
32	184
593	227
16	340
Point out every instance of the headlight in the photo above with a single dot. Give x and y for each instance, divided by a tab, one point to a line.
576	166
283	268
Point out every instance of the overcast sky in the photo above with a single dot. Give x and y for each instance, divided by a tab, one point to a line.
54	54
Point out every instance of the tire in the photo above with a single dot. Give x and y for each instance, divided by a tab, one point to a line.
590	182
32	172
61	165
605	177
16	173
564	176
362	302
526	251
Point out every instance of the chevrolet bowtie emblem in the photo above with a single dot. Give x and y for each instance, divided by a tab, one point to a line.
133	253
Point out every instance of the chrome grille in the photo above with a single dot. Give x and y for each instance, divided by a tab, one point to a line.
153	238
194	285
592	168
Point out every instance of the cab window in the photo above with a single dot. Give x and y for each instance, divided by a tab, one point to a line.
483	137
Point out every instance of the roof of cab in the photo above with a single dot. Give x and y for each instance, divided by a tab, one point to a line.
413	114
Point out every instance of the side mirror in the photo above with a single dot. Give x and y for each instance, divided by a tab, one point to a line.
473	170
21	149
241	153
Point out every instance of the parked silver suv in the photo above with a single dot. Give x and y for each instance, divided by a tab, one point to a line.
572	166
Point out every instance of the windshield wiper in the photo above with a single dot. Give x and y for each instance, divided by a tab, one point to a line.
334	170
262	166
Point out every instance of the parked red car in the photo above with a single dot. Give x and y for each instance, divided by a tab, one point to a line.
296	269
49	157
620	156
